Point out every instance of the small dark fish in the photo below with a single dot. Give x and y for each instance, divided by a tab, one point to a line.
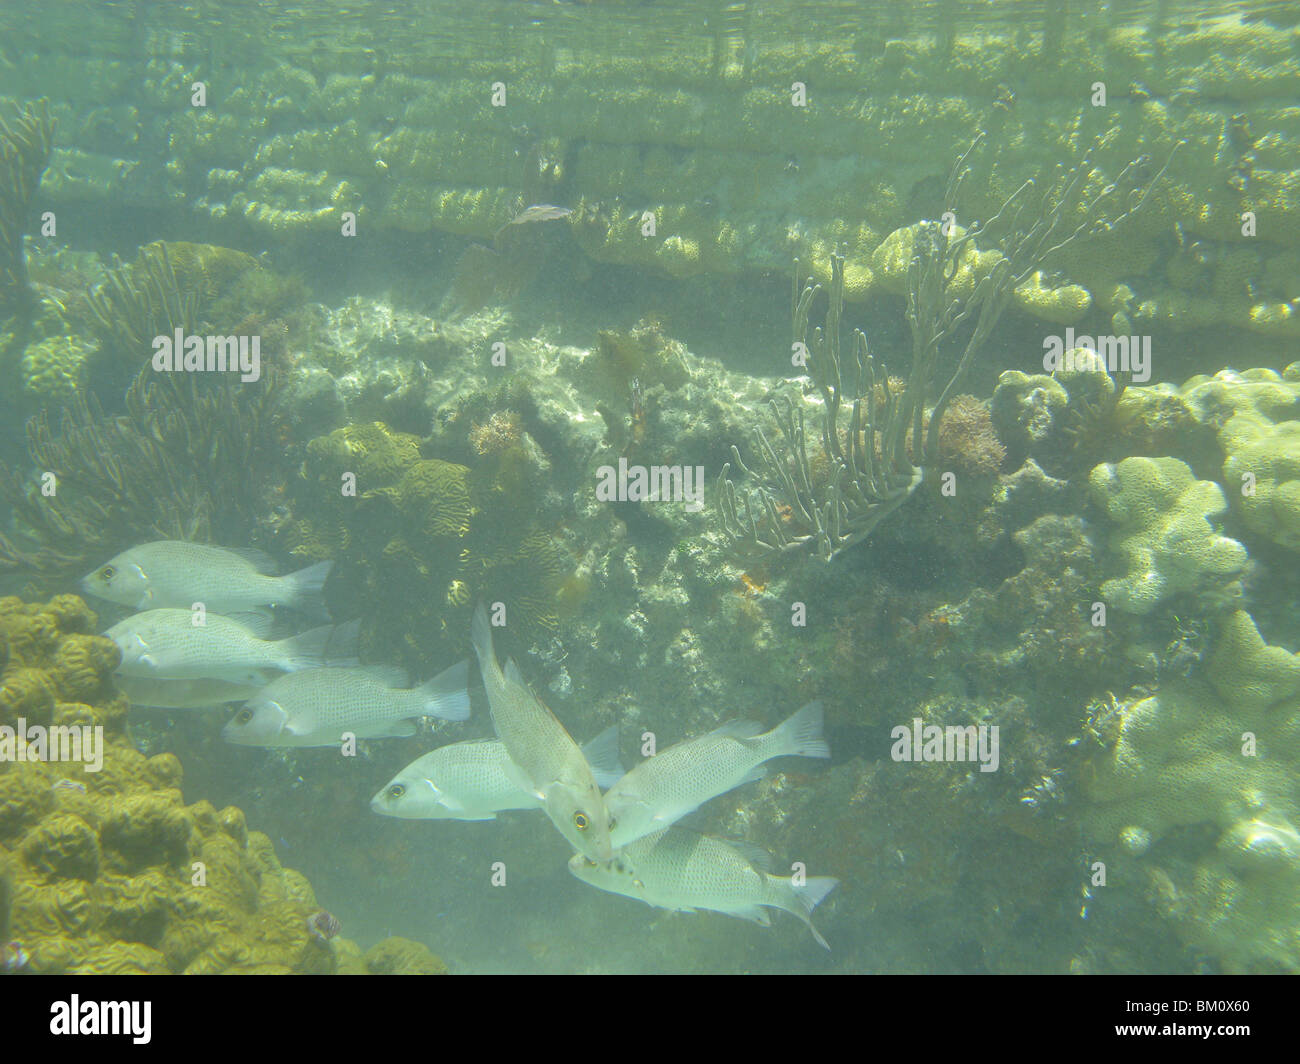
541	212
323	926
13	958
66	784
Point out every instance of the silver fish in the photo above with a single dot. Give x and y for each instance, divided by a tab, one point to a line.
316	706
539	212
684	871
678	780
469	781
167	644
173	573
544	759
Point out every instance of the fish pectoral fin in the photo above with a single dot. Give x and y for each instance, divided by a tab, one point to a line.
755	913
516	776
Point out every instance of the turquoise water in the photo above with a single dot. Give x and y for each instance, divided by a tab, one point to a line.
1086	573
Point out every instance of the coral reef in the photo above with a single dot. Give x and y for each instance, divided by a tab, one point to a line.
419	539
51	367
722	161
197	288
967	441
1167	535
1221	751
948	280
109	871
1256	415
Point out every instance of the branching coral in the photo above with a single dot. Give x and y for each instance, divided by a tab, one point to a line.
25	144
139	301
177	465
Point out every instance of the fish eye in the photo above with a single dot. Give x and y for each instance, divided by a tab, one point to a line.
108	572
581	821
396	790
245	715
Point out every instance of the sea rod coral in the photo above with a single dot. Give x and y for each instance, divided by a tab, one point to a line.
950	282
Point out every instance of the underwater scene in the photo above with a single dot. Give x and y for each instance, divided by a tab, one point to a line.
675	486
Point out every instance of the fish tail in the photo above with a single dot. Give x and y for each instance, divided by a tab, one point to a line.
330	644
602	755
304	590
446	696
801	734
808	896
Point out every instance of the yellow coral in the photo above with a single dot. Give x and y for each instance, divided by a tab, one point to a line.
1167	534
1222	752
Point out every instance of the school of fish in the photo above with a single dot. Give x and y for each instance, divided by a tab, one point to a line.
206	632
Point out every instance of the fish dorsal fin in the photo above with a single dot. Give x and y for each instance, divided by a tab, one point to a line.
257	623
513	675
739	729
755	855
602	755
258	559
386	675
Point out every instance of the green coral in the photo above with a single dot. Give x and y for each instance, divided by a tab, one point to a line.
1221	751
1167	533
1255	414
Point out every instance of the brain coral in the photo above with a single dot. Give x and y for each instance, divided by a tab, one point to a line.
110	870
